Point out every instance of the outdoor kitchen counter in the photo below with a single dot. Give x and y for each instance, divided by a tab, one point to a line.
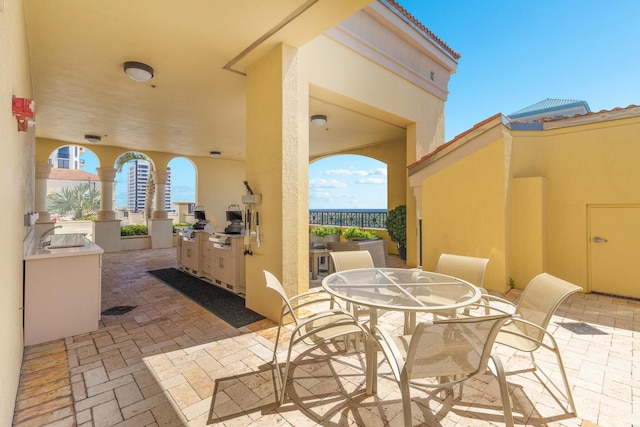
64	245
62	289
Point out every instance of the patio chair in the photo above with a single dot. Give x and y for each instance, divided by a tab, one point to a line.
448	351
349	260
536	306
313	329
470	269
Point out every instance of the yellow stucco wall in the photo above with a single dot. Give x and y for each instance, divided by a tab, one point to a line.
587	164
17	179
464	212
523	199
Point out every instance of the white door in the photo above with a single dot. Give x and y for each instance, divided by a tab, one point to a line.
614	249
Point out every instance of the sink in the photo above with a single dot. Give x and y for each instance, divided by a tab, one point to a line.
64	246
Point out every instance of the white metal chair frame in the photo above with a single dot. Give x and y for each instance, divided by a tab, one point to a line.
414	356
313	329
535	308
467	268
349	260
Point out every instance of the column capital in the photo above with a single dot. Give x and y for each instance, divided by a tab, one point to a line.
160	177
43	170
107	174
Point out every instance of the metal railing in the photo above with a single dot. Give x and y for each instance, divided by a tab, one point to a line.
374	218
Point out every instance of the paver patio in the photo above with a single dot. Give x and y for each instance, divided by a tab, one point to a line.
170	362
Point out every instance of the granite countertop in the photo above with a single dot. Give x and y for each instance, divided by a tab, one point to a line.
64	245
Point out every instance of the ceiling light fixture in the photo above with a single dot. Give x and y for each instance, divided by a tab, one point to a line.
93	139
214	154
138	71
319	119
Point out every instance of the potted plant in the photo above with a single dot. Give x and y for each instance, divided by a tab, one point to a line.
354	233
322	234
397	228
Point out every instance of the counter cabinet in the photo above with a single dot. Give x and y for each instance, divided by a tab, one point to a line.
221	266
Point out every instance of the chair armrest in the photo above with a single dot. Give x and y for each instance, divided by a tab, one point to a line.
390	350
493	298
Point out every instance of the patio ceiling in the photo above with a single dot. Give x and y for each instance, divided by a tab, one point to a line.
199	50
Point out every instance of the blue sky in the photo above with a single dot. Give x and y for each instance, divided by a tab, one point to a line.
513	54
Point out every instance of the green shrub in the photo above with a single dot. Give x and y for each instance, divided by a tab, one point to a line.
397	225
325	230
134	230
358	233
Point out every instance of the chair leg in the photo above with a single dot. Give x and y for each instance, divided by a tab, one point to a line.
406	401
285	376
498	370
567	395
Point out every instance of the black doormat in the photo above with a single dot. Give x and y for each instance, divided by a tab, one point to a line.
581	328
224	304
118	309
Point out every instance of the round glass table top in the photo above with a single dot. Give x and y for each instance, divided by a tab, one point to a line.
401	289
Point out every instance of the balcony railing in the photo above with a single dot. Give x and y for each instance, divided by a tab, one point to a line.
363	218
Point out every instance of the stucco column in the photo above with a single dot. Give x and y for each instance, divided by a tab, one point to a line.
277	167
43	170
160	181
107	178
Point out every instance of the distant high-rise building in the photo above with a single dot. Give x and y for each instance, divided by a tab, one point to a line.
137	178
67	157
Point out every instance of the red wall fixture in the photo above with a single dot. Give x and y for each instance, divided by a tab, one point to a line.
23	109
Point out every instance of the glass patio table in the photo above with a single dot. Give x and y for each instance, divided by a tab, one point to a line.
399	289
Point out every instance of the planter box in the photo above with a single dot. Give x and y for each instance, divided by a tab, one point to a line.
377	248
133	243
316	242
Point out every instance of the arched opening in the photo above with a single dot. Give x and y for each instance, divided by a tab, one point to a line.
348	181
182	177
134	189
73	189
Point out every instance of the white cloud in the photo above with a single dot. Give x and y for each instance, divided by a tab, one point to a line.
320	195
372	180
326	183
345	172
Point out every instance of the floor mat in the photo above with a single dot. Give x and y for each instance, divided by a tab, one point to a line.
582	328
118	309
224	304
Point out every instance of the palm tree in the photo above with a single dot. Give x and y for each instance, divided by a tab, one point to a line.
151	188
79	201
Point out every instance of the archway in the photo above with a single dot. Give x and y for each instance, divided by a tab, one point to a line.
348	181
73	190
182	177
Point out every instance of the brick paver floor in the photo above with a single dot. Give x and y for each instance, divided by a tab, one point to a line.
170	362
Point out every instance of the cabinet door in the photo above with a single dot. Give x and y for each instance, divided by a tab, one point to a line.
224	266
206	255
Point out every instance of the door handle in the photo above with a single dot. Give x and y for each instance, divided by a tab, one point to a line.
597	239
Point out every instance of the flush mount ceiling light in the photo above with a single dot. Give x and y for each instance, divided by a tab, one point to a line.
319	119
93	139
138	71
214	154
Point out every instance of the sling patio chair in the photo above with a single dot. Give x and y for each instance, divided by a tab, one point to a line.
467	268
443	353
349	260
314	329
528	333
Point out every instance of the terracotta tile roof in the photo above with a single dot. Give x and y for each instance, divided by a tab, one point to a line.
453	141
422	27
72	175
508	122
